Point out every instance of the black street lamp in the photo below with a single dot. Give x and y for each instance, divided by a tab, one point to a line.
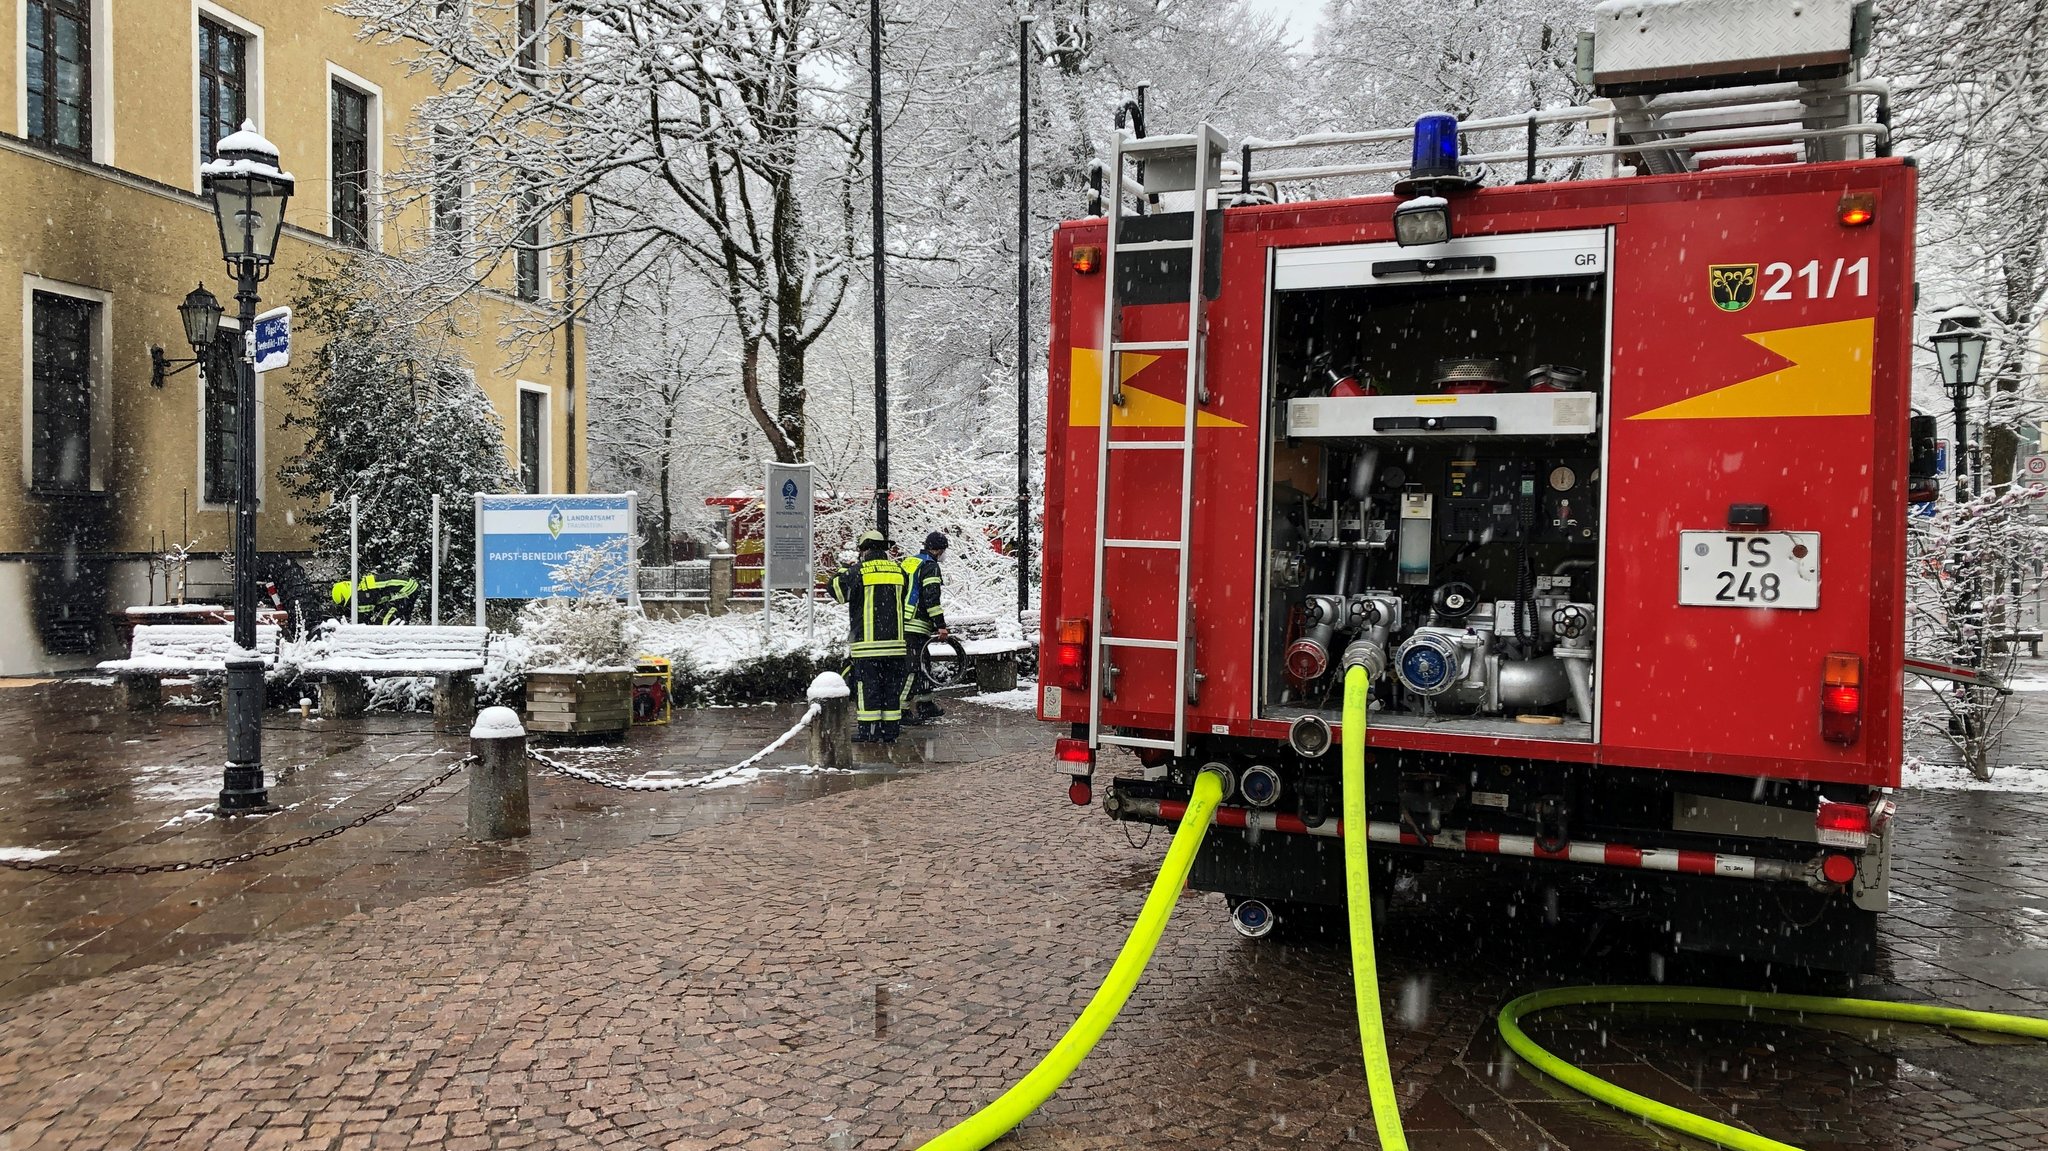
200	313
1959	351
249	192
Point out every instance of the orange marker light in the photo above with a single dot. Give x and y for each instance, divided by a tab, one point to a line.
1087	258
1857	209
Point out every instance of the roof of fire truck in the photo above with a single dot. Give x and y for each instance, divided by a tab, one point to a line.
1680	86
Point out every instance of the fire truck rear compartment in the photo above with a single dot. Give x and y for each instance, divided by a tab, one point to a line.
1434	504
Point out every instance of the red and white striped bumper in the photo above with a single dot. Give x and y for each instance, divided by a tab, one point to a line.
1496	843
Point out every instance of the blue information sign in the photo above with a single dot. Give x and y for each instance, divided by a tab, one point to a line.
273	339
522	539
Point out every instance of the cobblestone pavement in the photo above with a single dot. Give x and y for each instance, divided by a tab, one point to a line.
101	786
861	968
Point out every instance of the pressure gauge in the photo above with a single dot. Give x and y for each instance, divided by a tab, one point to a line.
1393	477
1562	479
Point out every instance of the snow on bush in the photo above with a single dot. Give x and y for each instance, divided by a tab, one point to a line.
585	626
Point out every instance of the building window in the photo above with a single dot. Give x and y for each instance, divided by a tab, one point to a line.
220	453
349	131
533	432
61	385
448	191
223	83
529	34
528	268
59	74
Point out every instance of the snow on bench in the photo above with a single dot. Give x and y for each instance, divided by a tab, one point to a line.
353	653
373	650
161	649
977	648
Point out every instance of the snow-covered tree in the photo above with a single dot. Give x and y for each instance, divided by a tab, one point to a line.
1970	78
715	137
394	416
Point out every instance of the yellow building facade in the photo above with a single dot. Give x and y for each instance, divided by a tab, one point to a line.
104	121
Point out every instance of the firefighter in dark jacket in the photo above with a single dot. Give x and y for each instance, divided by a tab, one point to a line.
872	587
924	617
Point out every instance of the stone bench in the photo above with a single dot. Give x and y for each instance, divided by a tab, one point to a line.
995	661
351	655
157	652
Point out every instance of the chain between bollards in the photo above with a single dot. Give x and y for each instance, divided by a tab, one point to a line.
244	857
617	784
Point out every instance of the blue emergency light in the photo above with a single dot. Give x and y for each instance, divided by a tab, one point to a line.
1436	147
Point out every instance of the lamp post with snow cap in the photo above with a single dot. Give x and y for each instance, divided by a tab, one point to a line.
249	192
1959	351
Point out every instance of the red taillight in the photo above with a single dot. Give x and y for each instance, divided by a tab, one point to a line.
1857	209
1070	654
1838	869
1087	258
1075	754
1842	825
1841	699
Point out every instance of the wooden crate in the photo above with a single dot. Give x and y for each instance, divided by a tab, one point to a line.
579	703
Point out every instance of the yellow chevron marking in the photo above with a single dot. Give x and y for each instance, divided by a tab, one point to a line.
1829	375
1141	409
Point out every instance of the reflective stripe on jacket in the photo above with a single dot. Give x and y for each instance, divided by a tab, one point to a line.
923	613
872	590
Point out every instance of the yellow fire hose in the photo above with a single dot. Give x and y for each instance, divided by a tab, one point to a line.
995	1120
1365	973
1000	1117
1665	1115
1356	692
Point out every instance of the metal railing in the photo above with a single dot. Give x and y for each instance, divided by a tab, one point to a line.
686	582
1705	122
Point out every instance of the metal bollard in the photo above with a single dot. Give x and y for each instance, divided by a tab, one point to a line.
497	776
832	728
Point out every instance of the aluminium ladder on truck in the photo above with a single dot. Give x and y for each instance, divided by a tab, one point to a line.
1189	164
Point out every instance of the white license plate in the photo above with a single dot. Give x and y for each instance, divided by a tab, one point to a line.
1749	569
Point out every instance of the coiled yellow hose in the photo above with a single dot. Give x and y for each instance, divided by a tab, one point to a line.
1665	1115
1365	976
1011	1107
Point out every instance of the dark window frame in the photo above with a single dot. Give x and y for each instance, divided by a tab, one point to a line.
219	473
532	448
46	462
450	192
42	74
527	28
350	163
214	81
526	271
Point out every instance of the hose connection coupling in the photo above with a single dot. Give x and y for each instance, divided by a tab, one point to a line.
1223	774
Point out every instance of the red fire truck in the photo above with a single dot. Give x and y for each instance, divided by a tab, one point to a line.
1589	444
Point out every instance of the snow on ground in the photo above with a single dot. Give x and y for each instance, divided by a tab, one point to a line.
24	854
750	774
179	782
1945	777
1024	698
716	643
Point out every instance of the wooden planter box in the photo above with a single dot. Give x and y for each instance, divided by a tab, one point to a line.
579	703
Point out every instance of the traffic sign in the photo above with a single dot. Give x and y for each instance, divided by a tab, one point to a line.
273	339
2037	465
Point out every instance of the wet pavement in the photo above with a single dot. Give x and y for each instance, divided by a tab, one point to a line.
841	962
93	785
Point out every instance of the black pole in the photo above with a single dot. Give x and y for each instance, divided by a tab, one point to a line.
881	307
242	789
1023	313
1971	629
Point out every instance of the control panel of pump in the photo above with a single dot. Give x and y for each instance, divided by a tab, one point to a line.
1435	511
1461	577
